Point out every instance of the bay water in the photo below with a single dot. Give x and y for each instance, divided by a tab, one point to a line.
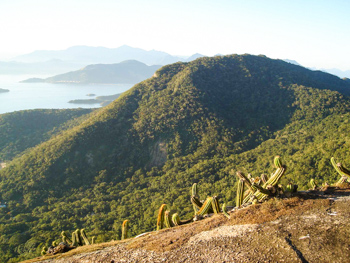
25	96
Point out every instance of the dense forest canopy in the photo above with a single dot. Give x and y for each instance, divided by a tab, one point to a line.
191	122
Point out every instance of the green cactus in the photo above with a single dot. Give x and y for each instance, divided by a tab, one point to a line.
125	229
215	205
224	211
176	219
167	219
83	235
160	218
78	237
93	240
44	251
206	206
65	238
54	243
74	240
277	161
240	191
196	203
313	184
340	168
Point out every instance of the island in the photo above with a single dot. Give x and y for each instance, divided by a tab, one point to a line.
102	100
4	90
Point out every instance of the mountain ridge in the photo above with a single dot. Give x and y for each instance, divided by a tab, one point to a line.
189	123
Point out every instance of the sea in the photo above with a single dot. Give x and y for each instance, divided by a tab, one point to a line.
26	96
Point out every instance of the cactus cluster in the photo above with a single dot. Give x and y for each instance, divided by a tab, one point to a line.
343	171
260	188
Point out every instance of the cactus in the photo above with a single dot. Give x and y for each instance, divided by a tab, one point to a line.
239	196
313	184
264	178
277	162
44	251
340	168
83	235
65	238
160	218
93	240
167	219
125	229
74	240
197	204
54	243
224	211
215	205
206	206
176	219
78	237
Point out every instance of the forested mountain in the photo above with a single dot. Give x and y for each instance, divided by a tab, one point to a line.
191	122
126	72
21	130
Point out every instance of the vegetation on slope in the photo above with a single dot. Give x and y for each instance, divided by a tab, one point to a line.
21	130
191	123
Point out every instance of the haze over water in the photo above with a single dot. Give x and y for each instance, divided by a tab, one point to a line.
25	96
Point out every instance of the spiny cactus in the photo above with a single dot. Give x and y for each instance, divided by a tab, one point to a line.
206	206
75	242
197	204
260	192
160	218
313	184
44	250
168	220
340	168
78	238
224	211
125	229
83	235
93	240
239	196
54	243
65	238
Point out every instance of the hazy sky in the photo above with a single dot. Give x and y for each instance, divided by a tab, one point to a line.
316	33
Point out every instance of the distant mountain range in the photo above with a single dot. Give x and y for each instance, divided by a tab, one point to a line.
126	72
73	58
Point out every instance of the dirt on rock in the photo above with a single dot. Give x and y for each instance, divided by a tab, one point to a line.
310	227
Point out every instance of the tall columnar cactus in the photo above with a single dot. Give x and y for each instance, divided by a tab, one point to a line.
240	191
160	218
207	205
65	238
74	240
83	235
259	192
313	184
125	229
340	168
168	220
197	204
78	237
215	205
224	211
93	240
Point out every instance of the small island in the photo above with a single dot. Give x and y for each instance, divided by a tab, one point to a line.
102	100
4	90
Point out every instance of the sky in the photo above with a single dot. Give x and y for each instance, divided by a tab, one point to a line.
315	33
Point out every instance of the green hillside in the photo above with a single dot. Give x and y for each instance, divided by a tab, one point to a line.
191	122
21	130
